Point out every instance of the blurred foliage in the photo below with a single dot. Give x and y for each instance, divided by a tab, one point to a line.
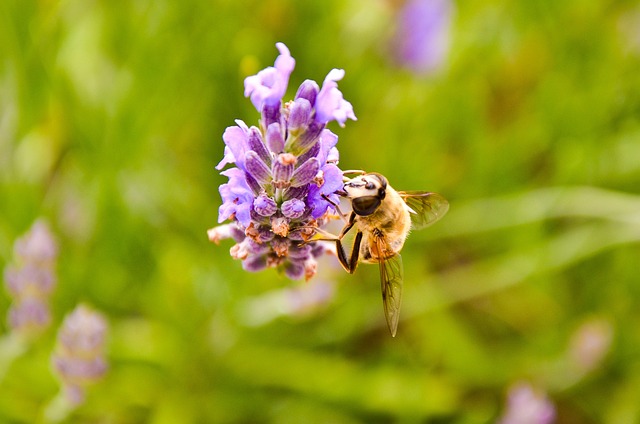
111	116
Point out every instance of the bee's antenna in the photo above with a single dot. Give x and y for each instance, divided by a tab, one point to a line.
354	171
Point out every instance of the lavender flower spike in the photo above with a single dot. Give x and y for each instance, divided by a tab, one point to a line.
79	359
31	279
285	170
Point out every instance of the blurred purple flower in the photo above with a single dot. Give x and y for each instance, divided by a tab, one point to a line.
590	343
422	36
282	171
79	359
38	245
30	279
527	406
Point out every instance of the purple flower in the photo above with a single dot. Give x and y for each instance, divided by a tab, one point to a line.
237	197
285	168
330	105
590	343
270	84
527	406
38	245
29	316
31	279
236	140
423	34
79	359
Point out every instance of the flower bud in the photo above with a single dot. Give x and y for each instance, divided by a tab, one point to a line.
308	90
299	116
293	208
257	168
275	141
265	205
308	138
270	114
255	143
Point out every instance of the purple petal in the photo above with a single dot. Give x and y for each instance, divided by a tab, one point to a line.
311	153
270	114
332	182
332	179
296	192
330	104
228	158
294	270
333	156
308	138
236	139
328	140
237	197
255	263
270	84
300	252
253	184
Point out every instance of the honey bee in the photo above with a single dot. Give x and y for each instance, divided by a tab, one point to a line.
382	218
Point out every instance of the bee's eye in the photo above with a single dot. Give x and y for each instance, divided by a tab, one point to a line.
365	205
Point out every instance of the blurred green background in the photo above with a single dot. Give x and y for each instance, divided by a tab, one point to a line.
111	118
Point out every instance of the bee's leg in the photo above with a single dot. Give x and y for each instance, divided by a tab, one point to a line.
355	253
349	264
336	206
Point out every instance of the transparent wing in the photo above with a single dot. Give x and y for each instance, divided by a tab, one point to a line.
391	285
428	207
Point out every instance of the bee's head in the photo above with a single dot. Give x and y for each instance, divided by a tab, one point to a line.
366	192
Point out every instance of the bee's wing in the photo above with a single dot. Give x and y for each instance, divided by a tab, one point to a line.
426	207
391	285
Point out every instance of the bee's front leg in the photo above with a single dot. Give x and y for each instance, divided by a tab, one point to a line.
335	205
